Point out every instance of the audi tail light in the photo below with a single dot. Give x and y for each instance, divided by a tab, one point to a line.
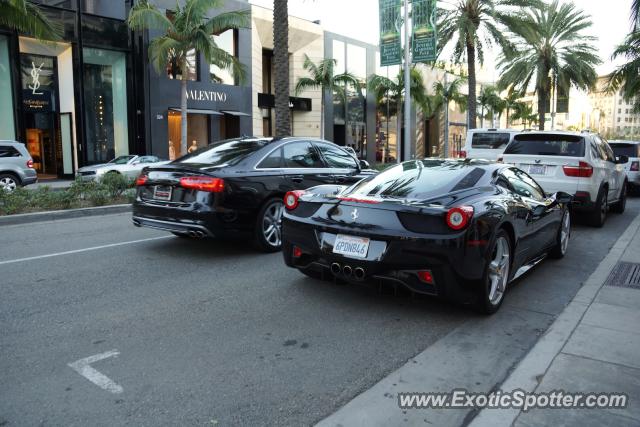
202	183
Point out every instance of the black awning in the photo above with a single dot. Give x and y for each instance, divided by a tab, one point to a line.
235	113
197	111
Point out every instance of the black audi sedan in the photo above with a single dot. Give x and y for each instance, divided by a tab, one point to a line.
460	229
236	187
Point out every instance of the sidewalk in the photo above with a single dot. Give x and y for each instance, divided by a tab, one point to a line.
54	184
593	346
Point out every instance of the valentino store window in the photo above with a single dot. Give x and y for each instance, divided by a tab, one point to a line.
208	90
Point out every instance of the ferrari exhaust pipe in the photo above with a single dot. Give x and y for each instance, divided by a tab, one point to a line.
335	268
199	234
358	273
192	233
347	270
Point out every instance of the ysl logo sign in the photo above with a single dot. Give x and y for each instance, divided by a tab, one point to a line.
35	78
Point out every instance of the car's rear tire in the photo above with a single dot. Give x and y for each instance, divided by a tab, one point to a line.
268	228
621	204
497	274
9	182
598	216
562	239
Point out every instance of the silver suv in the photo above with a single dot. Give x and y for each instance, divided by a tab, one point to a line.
16	166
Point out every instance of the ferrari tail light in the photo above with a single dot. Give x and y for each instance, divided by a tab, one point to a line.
583	170
203	183
634	166
426	276
141	180
291	199
30	164
462	154
459	217
297	252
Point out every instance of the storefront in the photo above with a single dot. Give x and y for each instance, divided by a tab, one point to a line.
69	101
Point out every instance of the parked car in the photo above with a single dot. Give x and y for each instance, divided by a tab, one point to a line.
129	166
581	164
631	149
236	186
460	229
486	143
16	166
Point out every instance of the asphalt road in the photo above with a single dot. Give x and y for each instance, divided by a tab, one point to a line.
215	333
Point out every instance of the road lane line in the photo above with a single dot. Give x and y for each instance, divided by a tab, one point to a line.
83	367
76	251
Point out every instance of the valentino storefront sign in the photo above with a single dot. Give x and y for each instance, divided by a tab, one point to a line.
206	95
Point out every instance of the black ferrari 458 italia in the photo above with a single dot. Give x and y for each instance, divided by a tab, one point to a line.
235	187
460	229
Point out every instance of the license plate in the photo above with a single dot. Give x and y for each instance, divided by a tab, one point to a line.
162	192
350	246
537	169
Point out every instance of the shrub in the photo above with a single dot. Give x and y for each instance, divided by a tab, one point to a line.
15	201
115	184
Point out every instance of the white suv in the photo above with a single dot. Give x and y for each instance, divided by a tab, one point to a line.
487	143
581	164
631	149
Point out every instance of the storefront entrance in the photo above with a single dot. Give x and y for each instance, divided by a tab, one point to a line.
39	106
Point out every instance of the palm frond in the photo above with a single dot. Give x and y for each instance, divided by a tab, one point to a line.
28	18
144	15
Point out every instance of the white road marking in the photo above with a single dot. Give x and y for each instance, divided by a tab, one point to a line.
83	367
94	248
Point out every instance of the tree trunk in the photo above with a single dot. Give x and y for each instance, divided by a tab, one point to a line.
542	104
446	129
399	131
322	113
482	117
281	66
183	109
507	117
471	101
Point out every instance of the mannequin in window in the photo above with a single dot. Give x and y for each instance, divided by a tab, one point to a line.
172	151
193	147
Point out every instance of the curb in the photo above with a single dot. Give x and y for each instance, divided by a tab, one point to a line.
532	368
63	214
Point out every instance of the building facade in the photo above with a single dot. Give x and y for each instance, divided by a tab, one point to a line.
70	102
94	95
611	115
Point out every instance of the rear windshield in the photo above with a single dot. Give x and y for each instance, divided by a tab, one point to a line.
489	140
228	152
420	179
547	145
620	149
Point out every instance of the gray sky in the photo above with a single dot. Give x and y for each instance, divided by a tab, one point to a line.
359	19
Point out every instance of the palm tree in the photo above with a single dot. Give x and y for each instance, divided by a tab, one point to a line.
22	15
187	29
550	48
627	76
281	66
393	90
510	102
472	26
524	112
489	100
322	77
445	92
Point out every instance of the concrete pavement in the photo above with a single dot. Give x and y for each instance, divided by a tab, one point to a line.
592	347
209	332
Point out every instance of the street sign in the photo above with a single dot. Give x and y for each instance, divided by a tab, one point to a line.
390	44
424	46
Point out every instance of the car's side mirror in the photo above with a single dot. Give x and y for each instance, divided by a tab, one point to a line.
364	164
539	210
621	160
562	197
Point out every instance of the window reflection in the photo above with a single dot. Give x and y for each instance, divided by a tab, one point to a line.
227	42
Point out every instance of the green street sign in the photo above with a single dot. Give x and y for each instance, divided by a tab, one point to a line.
390	44
425	35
